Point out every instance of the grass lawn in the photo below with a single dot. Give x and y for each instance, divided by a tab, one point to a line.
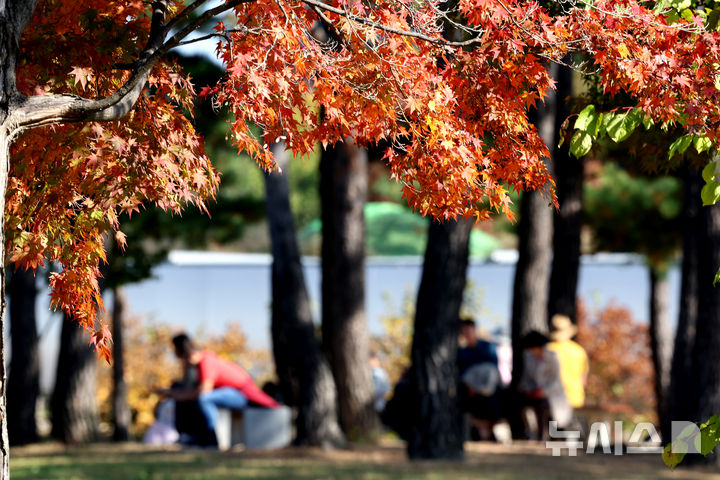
484	461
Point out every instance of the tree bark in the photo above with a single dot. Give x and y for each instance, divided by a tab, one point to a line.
24	381
567	220
436	421
306	381
660	339
681	406
535	230
18	112
706	348
343	191
73	404
121	410
14	16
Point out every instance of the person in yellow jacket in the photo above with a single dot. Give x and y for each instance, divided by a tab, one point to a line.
573	359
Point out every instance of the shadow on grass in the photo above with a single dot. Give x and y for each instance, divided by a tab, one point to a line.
133	461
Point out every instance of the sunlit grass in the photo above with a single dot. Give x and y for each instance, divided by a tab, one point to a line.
133	461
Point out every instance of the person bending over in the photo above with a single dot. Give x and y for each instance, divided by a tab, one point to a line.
221	384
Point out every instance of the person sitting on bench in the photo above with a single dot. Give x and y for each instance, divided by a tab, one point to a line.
221	384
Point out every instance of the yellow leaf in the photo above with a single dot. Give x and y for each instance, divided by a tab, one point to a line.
623	50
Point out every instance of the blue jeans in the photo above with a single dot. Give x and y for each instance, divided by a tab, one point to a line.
225	397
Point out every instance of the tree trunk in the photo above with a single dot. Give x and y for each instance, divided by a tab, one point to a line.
306	381
569	175
24	381
73	404
706	348
14	16
535	230
681	406
343	190
121	410
660	339
4	169
436	421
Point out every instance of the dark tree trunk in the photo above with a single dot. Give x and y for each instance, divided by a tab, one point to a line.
14	15
530	290
569	174
73	404
535	230
343	190
681	405
24	381
121	410
5	70
706	348
4	442
436	421
660	338
305	378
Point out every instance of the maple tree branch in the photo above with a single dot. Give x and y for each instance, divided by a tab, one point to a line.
51	109
185	13
193	25
220	35
385	28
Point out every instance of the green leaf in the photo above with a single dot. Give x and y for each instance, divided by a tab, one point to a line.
671	455
648	122
710	430
702	144
713	19
688	432
588	121
607	118
621	126
710	194
581	143
708	173
661	5
717	278
680	5
680	145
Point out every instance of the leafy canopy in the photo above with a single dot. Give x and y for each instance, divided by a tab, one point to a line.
453	110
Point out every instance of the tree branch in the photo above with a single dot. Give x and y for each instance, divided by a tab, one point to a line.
316	4
220	35
50	109
175	40
172	24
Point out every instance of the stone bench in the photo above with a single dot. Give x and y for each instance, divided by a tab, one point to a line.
254	428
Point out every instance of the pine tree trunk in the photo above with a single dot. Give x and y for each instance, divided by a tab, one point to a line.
73	404
24	381
660	338
121	410
436	422
681	406
535	230
706	349
569	175
343	191
306	381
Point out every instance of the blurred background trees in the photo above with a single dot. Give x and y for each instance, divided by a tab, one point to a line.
613	197
23	386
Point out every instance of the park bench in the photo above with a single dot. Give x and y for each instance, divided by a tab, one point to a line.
254	428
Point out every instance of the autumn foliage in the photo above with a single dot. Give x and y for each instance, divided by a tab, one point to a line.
621	375
70	183
448	91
